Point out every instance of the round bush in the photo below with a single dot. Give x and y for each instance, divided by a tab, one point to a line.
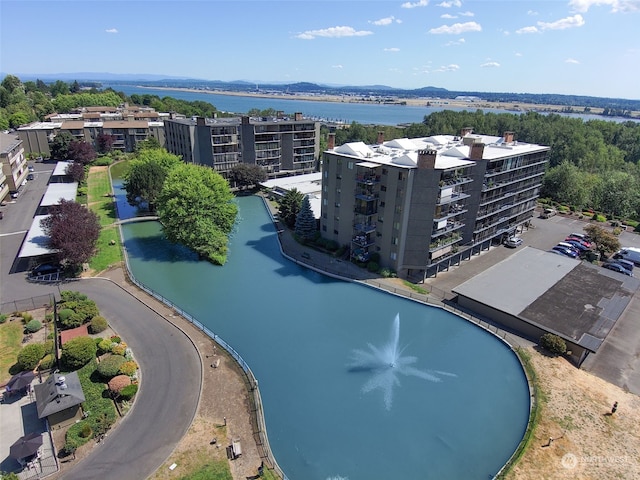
30	355
128	392
117	383
3	317
33	326
553	343
128	368
78	352
119	349
110	366
47	362
105	346
69	318
98	324
49	347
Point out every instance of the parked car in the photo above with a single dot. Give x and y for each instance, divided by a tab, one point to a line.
569	246
625	263
45	269
31	168
630	254
513	242
15	194
586	243
548	213
30	176
616	267
578	245
567	252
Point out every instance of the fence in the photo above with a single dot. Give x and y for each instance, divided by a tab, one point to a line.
27	304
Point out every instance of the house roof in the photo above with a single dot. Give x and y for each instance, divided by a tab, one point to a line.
58	393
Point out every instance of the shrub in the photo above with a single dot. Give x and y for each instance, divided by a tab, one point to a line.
78	352
128	368
115	339
119	349
128	392
48	318
47	362
84	309
69	318
373	266
102	161
3	318
599	218
105	346
85	430
110	366
49	347
98	324
375	257
33	326
71	296
26	317
553	343
385	272
116	384
30	355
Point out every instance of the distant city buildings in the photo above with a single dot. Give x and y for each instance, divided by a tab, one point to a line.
420	205
281	145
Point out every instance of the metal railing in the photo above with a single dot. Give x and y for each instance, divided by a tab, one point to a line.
27	304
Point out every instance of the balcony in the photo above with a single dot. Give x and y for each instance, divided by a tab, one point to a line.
363	241
366	196
368	179
453	211
453	197
364	227
451	226
367	210
450	182
444	242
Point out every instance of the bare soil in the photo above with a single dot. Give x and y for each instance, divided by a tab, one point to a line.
588	441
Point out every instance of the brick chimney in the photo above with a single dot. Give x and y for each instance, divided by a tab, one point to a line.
466	131
331	141
476	150
427	159
200	121
380	140
508	137
297	116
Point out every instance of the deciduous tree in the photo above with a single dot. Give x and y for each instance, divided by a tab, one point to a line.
81	152
73	231
146	175
60	145
196	209
606	242
104	143
76	171
245	175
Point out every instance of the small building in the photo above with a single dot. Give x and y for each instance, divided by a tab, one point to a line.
59	399
534	292
14	164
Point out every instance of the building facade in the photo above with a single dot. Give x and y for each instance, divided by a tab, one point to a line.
420	205
14	164
280	145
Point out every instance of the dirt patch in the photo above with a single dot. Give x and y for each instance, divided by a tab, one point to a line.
588	442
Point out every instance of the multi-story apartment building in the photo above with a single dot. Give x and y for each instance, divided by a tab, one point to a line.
424	204
280	145
127	125
14	164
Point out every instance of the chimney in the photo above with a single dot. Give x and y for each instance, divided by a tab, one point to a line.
331	141
380	138
466	131
297	116
476	150
200	122
427	159
508	137
245	120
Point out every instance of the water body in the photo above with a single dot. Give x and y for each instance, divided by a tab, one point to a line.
458	408
366	114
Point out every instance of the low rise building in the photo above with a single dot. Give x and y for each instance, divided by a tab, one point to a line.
14	164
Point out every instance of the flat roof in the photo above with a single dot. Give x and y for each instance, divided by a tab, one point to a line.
577	300
59	191
42	126
309	184
35	243
60	169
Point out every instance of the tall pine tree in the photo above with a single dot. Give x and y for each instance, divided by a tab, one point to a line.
306	225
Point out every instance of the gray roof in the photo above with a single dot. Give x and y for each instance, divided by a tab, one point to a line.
56	395
36	243
579	301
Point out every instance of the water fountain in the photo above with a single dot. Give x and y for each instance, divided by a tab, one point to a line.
387	363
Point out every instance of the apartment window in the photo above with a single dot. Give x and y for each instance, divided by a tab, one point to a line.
324	228
382	204
385	171
337	204
380	218
400	176
398	209
393	256
336	219
394	240
338	177
350	165
383	188
396	225
326	174
324	202
335	232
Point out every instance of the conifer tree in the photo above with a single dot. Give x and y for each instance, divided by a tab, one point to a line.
306	225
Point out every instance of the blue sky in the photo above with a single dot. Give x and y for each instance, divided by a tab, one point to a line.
584	47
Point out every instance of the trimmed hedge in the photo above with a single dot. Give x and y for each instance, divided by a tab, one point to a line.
78	352
33	326
553	343
128	392
30	355
110	366
98	324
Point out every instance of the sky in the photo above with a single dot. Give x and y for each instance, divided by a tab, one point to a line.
581	47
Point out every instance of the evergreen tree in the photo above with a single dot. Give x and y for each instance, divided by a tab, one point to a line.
306	225
290	206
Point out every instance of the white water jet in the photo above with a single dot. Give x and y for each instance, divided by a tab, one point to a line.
386	363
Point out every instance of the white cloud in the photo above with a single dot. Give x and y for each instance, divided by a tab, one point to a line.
448	68
419	3
391	49
333	32
450	3
531	29
454	43
111	30
448	16
571	60
467	14
457	28
532	13
563	23
385	21
490	64
337	66
518	54
624	6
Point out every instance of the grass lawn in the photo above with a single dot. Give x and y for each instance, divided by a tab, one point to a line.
98	187
107	254
10	345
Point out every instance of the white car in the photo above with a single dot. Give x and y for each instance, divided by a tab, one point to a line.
513	242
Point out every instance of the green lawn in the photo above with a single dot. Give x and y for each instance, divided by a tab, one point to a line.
10	345
107	254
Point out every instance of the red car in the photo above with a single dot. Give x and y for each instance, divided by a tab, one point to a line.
582	241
